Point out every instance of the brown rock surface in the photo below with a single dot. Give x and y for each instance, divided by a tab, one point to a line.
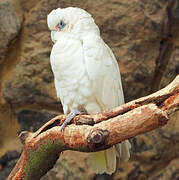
10	26
138	33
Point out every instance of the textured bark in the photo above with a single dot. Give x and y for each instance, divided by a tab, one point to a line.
102	130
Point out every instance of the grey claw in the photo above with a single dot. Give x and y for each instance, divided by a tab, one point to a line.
68	119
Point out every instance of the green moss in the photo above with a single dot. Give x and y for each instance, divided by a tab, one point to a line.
42	159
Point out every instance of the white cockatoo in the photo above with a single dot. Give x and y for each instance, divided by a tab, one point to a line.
86	75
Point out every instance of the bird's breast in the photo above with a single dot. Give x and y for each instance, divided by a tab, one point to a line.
69	71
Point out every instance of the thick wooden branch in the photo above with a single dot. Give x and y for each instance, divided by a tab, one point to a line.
91	133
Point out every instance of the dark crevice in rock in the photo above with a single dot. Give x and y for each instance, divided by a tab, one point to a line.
7	162
166	47
33	120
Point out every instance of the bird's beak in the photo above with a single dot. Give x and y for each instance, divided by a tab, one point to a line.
53	36
58	29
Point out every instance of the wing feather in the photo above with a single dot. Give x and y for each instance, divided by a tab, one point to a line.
103	72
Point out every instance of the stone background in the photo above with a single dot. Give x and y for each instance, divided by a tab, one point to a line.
144	36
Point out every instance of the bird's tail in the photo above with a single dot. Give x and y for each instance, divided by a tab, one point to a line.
122	150
105	161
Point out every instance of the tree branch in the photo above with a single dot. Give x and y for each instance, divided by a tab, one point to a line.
89	133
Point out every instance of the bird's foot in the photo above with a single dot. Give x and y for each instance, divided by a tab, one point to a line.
68	119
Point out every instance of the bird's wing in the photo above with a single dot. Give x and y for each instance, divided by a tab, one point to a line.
103	72
104	75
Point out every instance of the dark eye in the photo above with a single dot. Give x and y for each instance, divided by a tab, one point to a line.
61	25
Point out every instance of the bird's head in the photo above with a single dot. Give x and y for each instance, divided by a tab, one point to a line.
71	20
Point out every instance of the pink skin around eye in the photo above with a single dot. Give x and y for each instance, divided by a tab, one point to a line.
58	29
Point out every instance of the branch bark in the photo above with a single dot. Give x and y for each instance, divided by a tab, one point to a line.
89	133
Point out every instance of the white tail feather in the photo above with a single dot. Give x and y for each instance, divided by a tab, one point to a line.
122	150
105	161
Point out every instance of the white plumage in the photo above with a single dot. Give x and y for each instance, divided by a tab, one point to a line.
86	74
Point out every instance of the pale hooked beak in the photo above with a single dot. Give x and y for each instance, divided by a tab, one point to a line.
53	36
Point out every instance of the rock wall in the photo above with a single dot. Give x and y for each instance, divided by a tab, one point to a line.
144	38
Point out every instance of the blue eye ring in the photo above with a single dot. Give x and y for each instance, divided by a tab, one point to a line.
61	25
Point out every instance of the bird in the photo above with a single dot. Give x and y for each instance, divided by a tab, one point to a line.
86	76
